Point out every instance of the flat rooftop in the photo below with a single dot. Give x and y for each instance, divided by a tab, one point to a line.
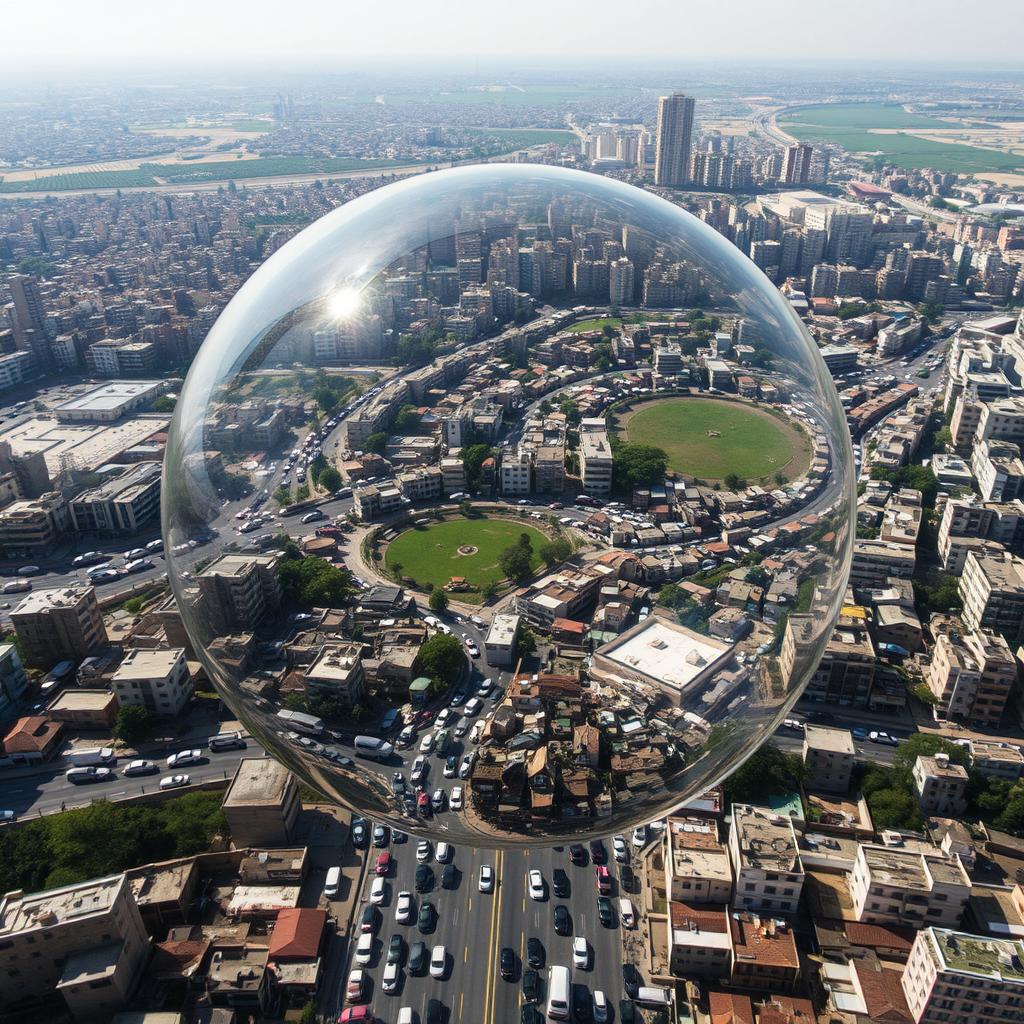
20	913
766	840
697	851
335	661
126	485
75	699
999	959
140	663
503	630
112	395
827	737
236	565
43	600
258	780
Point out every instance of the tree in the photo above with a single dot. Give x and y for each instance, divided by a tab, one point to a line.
734	482
308	1015
926	744
556	551
930	312
133	724
571	410
133	605
164	404
377	442
316	467
408	418
517	561
780	478
283	495
309	582
526	641
545	407
489	590
330	479
672	596
768	772
438	602
636	465
473	458
440	658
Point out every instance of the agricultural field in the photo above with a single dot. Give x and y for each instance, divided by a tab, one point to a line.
710	438
430	553
523	138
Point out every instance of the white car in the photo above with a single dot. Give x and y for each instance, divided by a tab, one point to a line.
389	982
378	891
364	950
139	767
183	757
600	1007
455	798
640	836
477	731
466	765
175	781
403	908
486	883
427	743
444	853
580	953
535	883
424	851
620	848
438	961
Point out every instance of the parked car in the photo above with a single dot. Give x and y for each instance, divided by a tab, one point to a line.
139	767
175	781
403	907
184	757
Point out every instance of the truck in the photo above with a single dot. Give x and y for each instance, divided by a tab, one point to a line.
86	757
299	721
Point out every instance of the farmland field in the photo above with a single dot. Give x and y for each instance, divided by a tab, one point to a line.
523	138
710	439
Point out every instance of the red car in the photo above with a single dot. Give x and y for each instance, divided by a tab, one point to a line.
355	991
423	804
356	1013
383	863
604	880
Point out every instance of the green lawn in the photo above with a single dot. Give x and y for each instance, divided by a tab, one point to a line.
429	554
594	325
752	443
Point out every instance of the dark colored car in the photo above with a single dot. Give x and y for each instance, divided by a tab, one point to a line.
627	878
424	878
418	957
528	1014
578	853
582	1007
369	920
360	836
631	980
507	963
627	1012
531	985
425	919
560	883
563	921
395	948
534	952
451	764
598	853
435	1011
450	877
604	911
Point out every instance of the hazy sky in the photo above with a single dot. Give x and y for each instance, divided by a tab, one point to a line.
72	31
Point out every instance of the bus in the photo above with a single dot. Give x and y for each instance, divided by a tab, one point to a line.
308	725
559	992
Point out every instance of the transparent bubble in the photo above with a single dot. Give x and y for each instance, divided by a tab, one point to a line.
647	708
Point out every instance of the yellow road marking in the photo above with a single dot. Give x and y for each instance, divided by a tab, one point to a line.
490	943
465	954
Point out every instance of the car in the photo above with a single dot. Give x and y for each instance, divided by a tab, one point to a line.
620	849
398	783
438	800
7	815
390	977
578	853
449	877
364	950
183	757
419	770
424	851
604	880
878	737
598	853
455	799
477	731
438	962
417	958
407	736
355	990
451	767
90	558
604	911
580	953
435	1012
403	908
535	952
423	805
383	865
312	517
360	837
627	879
139	767
424	878
528	1012
139	565
507	963
531	985
378	891
175	781
369	920
380	835
398	836
640	836
486	880
563	921
427	743
444	852
29	570
484	690
535	883
581	1006
859	733
560	883
396	946
362	1014
466	765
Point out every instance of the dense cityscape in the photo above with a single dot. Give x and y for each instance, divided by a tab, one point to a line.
485	572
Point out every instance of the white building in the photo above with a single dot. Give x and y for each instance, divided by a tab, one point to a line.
516	473
500	643
155	679
765	860
595	456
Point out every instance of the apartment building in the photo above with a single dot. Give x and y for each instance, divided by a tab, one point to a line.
80	947
57	625
337	674
13	681
846	672
699	941
892	886
420	484
595	457
972	676
372	502
992	591
765	861
1002	420
941	786
1000	760
500	642
238	590
158	680
874	561
964	979
516	473
31	527
122	504
697	866
828	756
262	803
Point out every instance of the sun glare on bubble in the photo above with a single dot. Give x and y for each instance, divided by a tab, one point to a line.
345	303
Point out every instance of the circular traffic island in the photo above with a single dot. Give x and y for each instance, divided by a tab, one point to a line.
460	556
718	438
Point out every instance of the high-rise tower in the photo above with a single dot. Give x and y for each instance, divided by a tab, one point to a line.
674	140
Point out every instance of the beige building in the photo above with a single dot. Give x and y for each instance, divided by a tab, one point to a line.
337	674
57	625
500	642
32	527
1000	760
892	886
238	590
699	942
972	677
595	457
261	803
697	868
765	861
79	708
156	679
874	561
964	979
992	591
828	755
941	786
84	943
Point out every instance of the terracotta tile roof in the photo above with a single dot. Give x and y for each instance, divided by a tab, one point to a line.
778	950
297	933
786	1010
730	1008
883	993
878	936
32	734
711	918
179	959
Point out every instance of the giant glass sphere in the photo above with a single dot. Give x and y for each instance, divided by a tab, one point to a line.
451	310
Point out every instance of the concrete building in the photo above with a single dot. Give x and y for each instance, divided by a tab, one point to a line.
699	941
941	786
337	674
453	475
121	505
903	887
972	676
83	946
82	709
372	502
874	561
58	625
500	642
697	867
673	140
109	402
828	755
516	473
765	861
238	590
262	803
32	527
846	672
158	680
13	681
992	591
595	457
420	484
967	979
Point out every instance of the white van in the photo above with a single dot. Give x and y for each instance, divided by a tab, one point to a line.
226	741
626	915
647	995
559	993
373	748
333	883
364	950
